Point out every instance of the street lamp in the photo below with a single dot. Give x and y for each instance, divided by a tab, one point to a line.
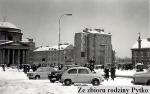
59	35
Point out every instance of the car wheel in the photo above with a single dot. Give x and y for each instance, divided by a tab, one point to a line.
95	82
148	82
67	82
37	77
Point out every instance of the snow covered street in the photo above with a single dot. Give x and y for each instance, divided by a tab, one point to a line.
14	82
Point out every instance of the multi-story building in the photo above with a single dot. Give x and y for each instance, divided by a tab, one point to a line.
93	44
13	50
141	52
52	55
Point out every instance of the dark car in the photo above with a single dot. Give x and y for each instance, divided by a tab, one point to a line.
55	76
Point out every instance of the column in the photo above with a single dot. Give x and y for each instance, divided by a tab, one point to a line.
23	56
13	56
3	56
8	56
27	56
18	60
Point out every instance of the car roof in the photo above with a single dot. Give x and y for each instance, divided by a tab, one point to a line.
79	68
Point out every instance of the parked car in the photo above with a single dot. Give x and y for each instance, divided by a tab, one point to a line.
66	67
56	75
139	67
41	72
142	77
80	75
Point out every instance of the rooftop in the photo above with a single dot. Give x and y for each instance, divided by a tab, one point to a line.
7	25
47	48
95	31
145	43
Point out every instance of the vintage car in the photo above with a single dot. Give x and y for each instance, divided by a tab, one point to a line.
41	72
142	77
80	75
56	75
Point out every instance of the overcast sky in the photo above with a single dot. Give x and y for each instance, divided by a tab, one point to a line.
38	19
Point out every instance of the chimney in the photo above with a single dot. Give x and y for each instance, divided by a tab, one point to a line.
85	30
102	30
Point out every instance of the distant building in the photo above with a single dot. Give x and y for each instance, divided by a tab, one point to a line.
123	61
49	55
141	54
93	44
13	50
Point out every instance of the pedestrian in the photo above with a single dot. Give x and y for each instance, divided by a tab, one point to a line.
113	70
92	63
106	75
3	66
34	67
28	68
25	68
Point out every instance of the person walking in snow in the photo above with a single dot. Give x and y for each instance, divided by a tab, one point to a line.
106	71
113	70
3	66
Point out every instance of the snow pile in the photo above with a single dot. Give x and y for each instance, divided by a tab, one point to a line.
118	82
128	73
123	73
12	74
13	81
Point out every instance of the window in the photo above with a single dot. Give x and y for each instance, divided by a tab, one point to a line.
43	59
10	37
83	71
82	54
72	71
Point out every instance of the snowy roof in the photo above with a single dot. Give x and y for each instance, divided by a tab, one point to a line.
62	47
6	42
27	40
95	31
144	44
7	25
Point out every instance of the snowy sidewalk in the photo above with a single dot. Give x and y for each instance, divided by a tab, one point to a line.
121	73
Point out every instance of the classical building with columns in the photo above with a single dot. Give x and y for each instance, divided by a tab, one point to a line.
14	50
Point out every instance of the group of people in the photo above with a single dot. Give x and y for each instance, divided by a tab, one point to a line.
112	71
107	69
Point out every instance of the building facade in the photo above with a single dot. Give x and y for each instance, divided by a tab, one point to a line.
50	55
13	50
93	44
141	54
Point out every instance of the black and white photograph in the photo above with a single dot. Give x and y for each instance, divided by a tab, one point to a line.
63	46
